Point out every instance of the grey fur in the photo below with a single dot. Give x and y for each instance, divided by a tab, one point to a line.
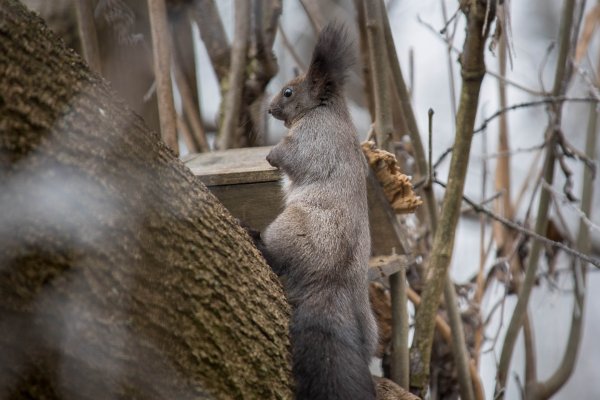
320	244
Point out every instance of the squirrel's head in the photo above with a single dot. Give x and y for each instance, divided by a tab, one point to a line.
322	84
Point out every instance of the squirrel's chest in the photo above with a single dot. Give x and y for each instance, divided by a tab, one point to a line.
285	182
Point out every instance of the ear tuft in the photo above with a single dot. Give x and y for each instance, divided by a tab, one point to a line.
332	57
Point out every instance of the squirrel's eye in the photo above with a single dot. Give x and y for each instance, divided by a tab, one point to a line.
287	92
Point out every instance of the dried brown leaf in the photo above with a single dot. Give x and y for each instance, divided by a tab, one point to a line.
396	186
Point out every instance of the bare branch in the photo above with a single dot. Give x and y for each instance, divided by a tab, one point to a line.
544	390
270	23
379	68
399	356
530	357
520	310
184	74
450	61
186	134
190	110
527	232
442	326
457	52
531	149
461	356
546	101
313	12
379	44
582	215
411	122
399	363
162	72
87	34
364	55
473	71
233	97
289	47
206	15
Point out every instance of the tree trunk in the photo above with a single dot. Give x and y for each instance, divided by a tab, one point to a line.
120	275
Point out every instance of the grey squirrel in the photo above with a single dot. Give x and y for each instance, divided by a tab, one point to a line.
320	243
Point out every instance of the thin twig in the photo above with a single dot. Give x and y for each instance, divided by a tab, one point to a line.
479	284
450	61
545	101
314	14
589	80
514	84
430	168
543	64
531	171
580	213
527	232
447	20
186	134
522	150
289	47
189	109
457	52
411	72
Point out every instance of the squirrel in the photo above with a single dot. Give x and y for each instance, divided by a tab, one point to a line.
320	243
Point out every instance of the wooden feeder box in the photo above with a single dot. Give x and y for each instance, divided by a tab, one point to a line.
250	189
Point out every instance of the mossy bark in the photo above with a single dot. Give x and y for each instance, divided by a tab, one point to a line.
121	276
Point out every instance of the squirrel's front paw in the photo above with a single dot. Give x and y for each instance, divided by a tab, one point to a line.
271	159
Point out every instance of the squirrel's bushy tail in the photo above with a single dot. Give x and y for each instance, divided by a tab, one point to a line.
327	367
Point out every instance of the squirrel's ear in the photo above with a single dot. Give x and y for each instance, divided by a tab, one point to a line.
331	59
